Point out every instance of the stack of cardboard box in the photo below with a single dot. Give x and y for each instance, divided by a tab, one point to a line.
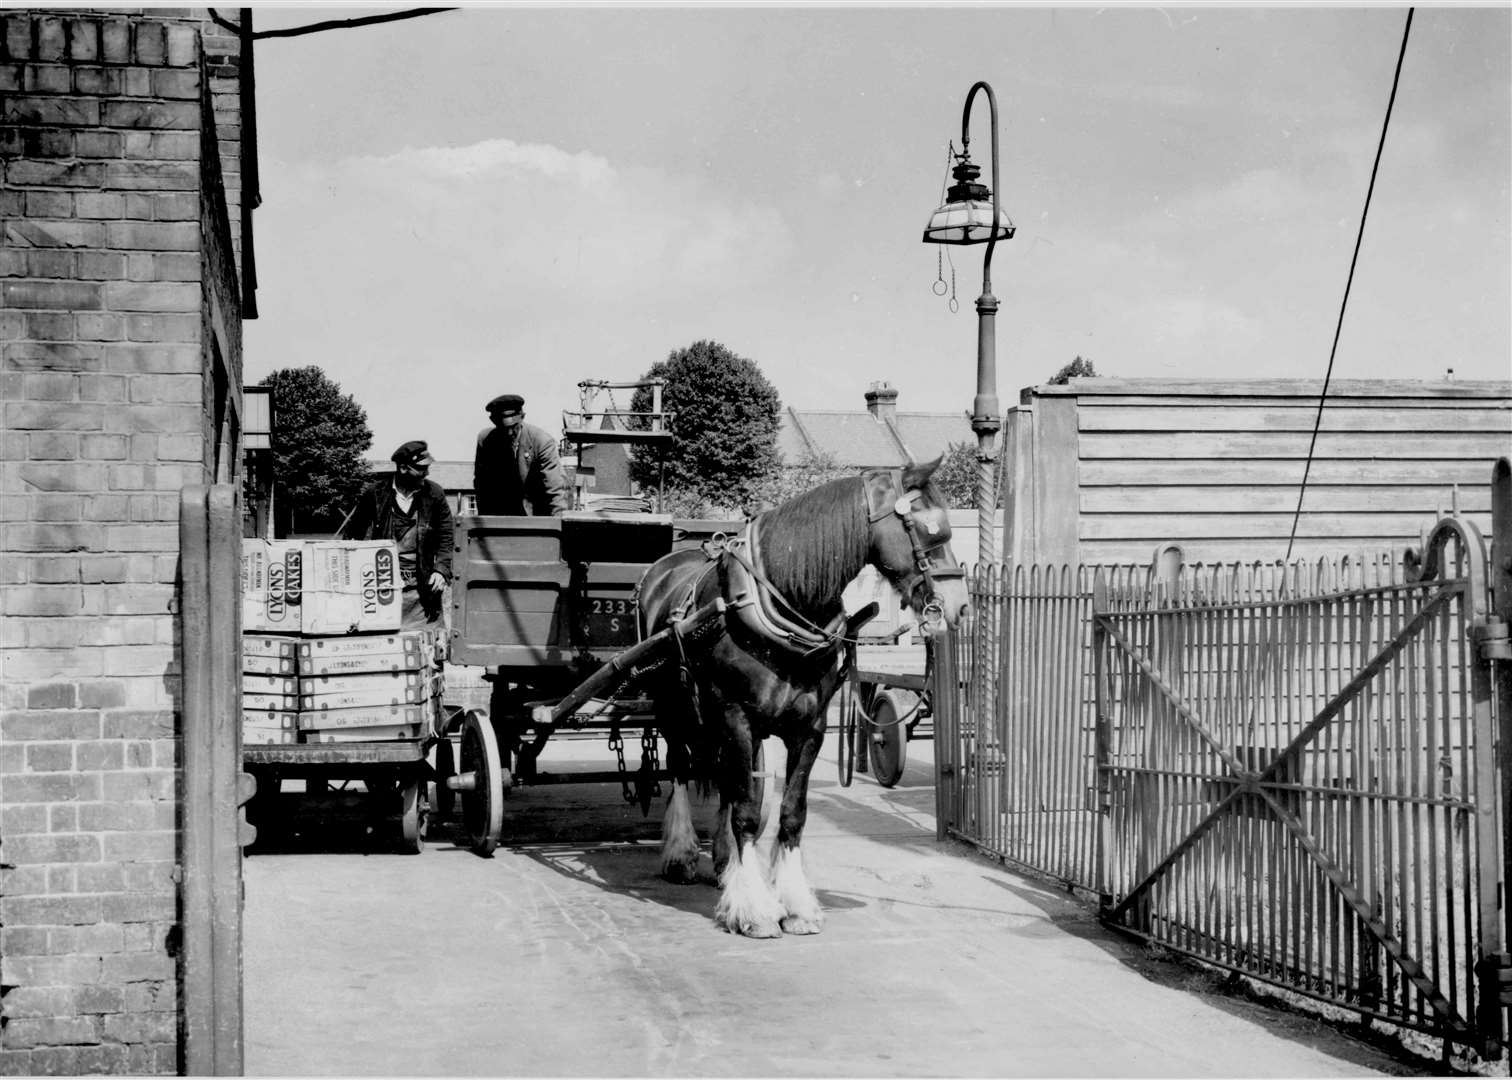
270	689
367	687
323	658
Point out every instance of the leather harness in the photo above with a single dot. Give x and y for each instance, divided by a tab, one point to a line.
751	599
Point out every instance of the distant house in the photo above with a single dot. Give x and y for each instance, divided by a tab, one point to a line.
455	478
878	436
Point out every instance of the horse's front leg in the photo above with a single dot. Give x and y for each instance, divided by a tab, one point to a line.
747	904
804	916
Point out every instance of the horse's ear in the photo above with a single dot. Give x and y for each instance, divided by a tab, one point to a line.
880	495
916	474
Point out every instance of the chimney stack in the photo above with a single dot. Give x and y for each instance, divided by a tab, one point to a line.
882	401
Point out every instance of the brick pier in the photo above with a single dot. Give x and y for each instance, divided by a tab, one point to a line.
121	382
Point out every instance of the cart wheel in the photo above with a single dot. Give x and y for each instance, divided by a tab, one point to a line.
410	821
887	736
444	802
480	783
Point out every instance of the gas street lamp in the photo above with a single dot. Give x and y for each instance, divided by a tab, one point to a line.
971	215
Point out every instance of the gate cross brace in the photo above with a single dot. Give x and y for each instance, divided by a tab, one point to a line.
1170	694
1362	909
1249	783
1374	667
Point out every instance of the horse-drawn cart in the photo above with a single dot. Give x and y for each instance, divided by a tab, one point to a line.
890	689
547	605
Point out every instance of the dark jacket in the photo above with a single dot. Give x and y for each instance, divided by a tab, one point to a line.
433	517
543	488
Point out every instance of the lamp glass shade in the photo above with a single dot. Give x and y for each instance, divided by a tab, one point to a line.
967	221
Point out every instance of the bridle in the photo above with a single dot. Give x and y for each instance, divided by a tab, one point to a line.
928	565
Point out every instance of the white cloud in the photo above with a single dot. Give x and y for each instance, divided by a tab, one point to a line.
467	271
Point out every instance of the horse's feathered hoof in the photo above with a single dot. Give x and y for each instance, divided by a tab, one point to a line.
795	925
755	929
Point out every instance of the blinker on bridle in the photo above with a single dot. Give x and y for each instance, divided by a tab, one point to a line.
925	565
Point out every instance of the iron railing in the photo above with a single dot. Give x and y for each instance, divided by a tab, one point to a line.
1289	771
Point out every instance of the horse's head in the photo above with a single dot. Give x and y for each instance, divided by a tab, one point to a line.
910	543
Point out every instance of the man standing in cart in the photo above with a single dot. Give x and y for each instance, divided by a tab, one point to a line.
516	470
410	510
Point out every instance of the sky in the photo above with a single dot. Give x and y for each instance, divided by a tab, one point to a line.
516	199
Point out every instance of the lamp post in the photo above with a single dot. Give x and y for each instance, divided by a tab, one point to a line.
971	215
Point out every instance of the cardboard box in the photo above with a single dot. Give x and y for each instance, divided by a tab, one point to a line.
269	665
284	719
386	733
409	650
269	726
350	587
378	716
393	694
394	681
273	585
256	683
270	645
269	703
266	737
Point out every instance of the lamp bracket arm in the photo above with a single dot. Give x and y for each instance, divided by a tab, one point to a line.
965	142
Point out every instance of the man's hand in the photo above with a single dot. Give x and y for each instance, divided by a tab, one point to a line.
437	581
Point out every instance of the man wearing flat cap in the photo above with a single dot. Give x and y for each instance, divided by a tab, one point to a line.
411	510
516	470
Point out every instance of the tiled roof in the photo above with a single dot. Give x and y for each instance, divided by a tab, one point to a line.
857	439
453	475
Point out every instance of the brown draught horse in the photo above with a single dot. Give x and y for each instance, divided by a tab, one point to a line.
769	663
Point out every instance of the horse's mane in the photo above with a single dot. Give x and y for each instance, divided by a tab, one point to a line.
815	543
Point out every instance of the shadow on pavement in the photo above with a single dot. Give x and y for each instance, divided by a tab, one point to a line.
1065	915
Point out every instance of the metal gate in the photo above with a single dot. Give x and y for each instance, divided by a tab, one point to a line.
1287	771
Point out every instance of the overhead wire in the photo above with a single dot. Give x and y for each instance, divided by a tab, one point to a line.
347	24
329	24
1348	284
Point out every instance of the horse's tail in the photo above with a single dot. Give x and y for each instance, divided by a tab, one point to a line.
667	591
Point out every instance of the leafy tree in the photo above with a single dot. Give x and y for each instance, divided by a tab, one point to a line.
724	427
319	438
956	478
1077	368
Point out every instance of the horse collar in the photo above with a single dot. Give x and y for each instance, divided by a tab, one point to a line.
753	601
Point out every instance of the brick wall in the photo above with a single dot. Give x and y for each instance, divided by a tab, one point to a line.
117	293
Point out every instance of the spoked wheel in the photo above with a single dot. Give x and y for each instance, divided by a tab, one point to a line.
480	784
412	820
887	734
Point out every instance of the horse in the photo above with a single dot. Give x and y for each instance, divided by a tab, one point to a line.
768	663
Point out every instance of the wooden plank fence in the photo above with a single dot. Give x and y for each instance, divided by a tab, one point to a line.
1286	770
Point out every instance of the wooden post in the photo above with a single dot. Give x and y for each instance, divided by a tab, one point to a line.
1495	994
1016	466
945	701
214	787
194	605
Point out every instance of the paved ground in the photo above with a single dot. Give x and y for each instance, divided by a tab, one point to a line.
565	955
